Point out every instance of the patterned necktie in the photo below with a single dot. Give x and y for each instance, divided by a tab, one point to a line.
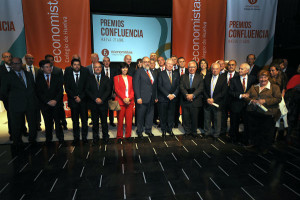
170	77
48	81
181	72
106	73
212	87
149	76
244	84
191	80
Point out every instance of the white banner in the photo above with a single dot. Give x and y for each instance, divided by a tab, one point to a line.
250	29
12	35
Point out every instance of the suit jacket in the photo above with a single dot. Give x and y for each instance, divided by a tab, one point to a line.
236	89
93	92
142	86
20	98
3	73
220	91
196	90
90	68
36	70
72	89
165	87
54	92
272	97
255	71
113	73
120	89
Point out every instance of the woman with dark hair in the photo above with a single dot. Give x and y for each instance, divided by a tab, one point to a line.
125	97
139	64
203	71
263	111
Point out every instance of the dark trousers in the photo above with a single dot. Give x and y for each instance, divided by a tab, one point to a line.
62	116
201	118
111	116
156	114
167	111
80	111
52	115
145	117
99	111
235	119
224	119
190	119
212	114
18	124
261	128
177	112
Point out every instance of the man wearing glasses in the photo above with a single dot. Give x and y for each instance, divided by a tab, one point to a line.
18	87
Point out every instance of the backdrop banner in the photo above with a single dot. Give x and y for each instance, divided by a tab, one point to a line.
199	29
12	35
250	29
58	27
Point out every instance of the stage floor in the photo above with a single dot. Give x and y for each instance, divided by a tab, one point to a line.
151	168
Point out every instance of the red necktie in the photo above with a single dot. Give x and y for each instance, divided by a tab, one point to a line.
149	76
48	81
244	85
181	72
230	76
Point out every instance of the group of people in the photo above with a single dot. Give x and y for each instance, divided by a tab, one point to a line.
155	87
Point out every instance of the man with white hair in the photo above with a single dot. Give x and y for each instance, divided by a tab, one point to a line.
94	59
239	85
215	91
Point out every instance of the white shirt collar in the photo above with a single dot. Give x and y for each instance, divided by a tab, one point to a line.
7	66
76	73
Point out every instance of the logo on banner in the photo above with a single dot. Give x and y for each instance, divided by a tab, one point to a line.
252	1
105	52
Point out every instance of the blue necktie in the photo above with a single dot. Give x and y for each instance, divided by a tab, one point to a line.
191	80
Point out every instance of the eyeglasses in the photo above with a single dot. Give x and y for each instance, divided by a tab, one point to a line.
231	64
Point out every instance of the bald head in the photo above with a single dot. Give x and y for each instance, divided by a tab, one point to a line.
127	59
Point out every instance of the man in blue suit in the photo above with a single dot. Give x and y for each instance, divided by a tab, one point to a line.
145	83
168	89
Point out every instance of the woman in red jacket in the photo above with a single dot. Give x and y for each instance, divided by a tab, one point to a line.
125	97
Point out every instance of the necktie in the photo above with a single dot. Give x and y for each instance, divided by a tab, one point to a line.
48	81
106	73
77	79
162	69
244	84
98	81
230	76
212	87
30	69
149	76
181	73
170	77
21	78
191	80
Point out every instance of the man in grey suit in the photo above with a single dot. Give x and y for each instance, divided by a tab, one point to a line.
95	59
144	85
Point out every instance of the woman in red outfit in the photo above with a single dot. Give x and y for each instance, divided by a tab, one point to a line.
125	97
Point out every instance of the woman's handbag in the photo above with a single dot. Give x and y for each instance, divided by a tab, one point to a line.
114	105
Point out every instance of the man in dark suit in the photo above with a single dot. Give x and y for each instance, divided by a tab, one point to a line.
230	73
191	88
110	72
215	90
34	70
145	83
75	86
4	69
175	64
58	71
99	90
168	89
239	85
50	91
156	115
94	59
181	71
161	64
19	89
254	69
